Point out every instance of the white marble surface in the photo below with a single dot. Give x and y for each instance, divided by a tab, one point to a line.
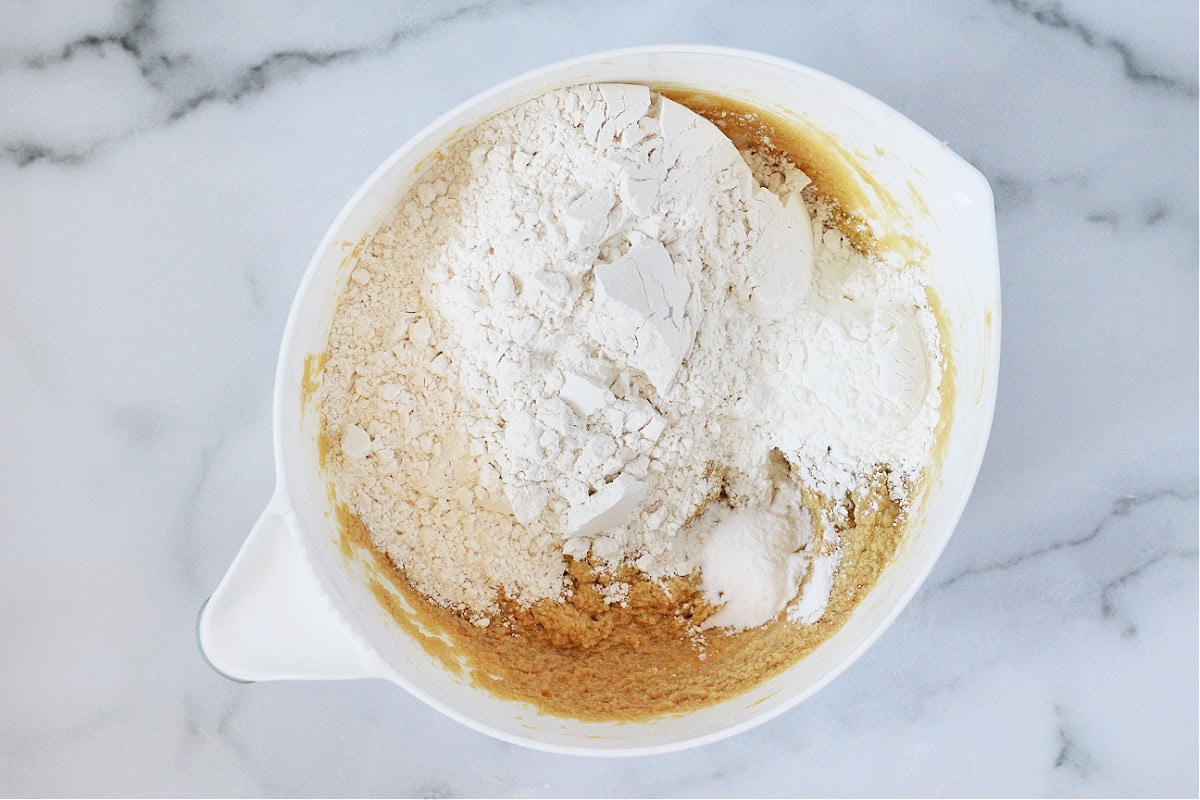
165	172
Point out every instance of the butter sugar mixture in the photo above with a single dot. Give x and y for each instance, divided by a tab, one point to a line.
598	348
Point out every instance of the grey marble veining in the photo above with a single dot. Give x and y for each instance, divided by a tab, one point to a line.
166	171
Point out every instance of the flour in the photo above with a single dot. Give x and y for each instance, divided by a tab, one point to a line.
587	322
591	239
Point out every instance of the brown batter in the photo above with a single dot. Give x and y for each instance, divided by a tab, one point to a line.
646	657
593	661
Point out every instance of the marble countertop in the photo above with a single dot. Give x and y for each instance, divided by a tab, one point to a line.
167	170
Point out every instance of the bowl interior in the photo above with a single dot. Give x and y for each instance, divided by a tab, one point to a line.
918	189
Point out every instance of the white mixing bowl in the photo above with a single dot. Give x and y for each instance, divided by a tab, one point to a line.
293	607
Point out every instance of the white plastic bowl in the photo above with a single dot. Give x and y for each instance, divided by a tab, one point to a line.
292	607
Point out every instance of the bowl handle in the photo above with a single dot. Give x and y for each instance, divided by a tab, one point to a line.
270	618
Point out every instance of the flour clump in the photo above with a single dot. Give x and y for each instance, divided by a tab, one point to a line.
592	332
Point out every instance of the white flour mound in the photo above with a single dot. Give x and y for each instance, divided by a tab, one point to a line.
605	321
